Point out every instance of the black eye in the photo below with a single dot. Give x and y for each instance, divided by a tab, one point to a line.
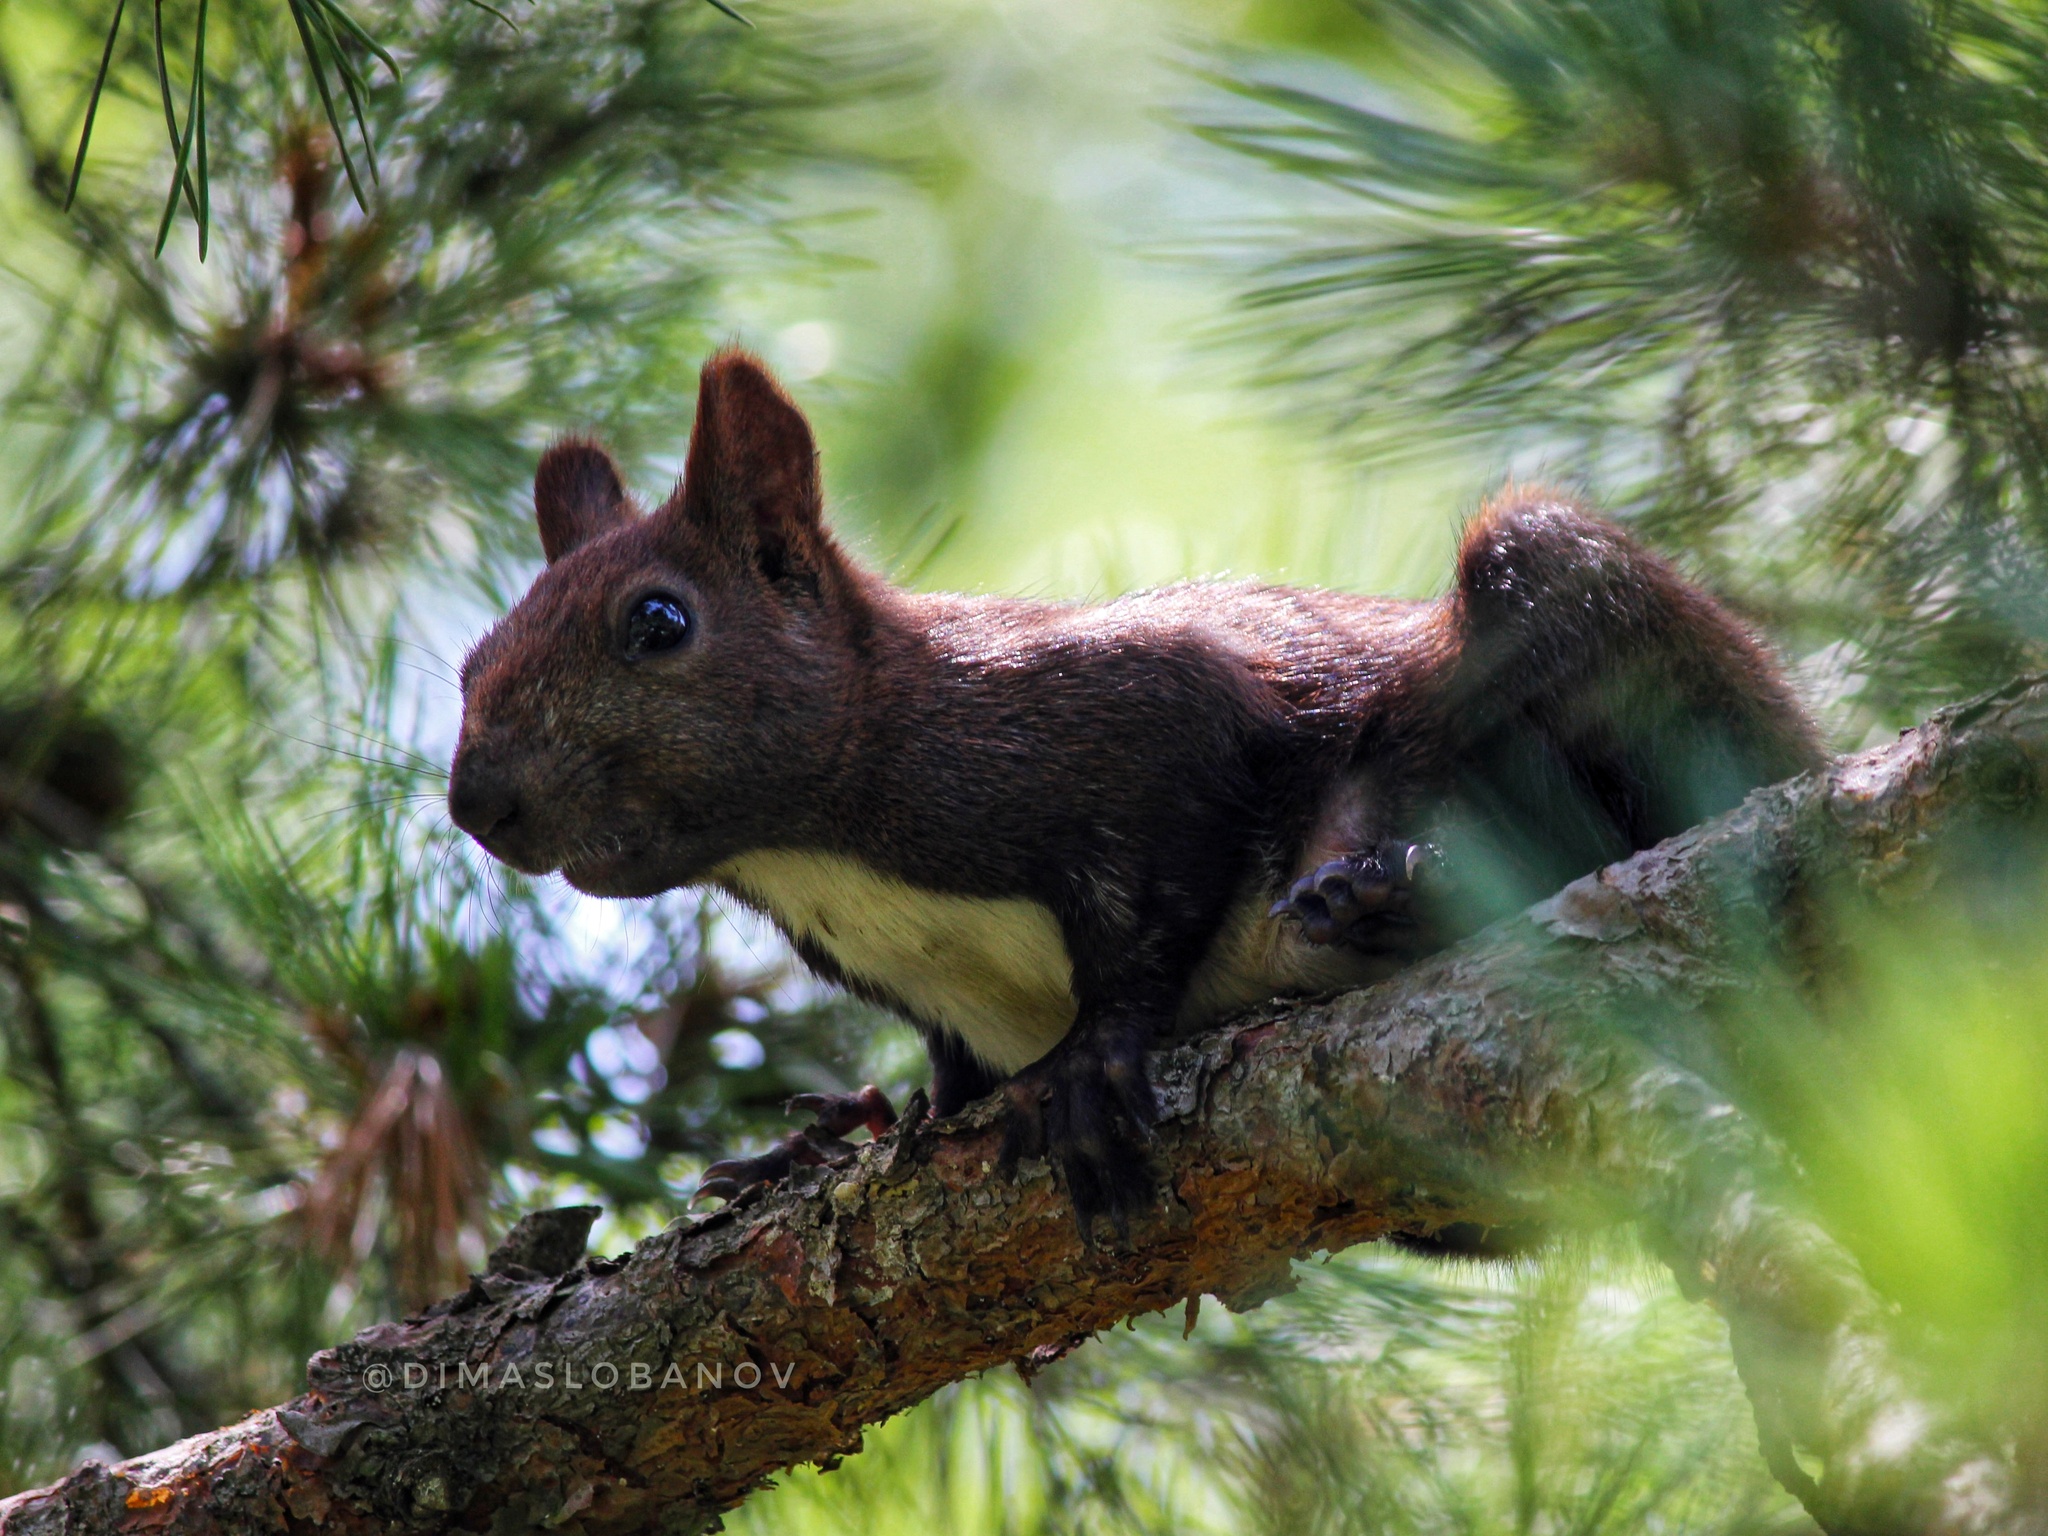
657	622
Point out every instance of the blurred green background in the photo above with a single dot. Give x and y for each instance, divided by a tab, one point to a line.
1081	295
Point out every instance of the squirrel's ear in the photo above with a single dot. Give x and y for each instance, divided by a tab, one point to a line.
751	479
577	495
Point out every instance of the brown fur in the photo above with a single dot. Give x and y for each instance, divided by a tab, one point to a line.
1142	770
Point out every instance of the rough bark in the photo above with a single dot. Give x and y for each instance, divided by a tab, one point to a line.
1557	1070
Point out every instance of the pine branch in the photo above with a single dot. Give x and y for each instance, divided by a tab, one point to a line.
326	32
1511	1082
1765	273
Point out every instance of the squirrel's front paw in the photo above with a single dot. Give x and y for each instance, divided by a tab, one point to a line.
815	1146
1344	898
1088	1109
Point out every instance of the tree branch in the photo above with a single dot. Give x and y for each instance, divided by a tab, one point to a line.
1557	1070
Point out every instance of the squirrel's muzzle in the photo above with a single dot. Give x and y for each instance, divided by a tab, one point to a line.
483	800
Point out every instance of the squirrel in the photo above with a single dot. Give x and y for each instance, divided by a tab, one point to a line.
1052	834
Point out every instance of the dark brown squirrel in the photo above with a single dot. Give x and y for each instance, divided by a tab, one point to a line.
1052	834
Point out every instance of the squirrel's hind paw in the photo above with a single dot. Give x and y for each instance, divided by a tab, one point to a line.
1344	899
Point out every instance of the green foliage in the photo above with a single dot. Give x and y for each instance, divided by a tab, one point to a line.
1910	1093
138	1172
1385	1395
279	1053
332	40
1769	274
341	382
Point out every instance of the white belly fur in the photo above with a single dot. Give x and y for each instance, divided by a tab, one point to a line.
994	972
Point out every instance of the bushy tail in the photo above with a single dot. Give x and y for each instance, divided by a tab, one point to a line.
1600	702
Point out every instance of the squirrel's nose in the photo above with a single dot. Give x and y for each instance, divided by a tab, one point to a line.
481	801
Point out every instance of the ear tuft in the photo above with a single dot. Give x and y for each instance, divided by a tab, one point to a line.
752	474
577	495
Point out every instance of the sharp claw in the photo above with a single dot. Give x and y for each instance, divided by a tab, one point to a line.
808	1148
838	1113
741	1169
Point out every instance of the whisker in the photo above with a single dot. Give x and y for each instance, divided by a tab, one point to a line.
395	798
447	672
421	763
428	804
417	760
717	900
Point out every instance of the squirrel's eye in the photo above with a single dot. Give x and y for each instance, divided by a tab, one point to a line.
656	622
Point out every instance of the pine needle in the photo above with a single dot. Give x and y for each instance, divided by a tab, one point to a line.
92	105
